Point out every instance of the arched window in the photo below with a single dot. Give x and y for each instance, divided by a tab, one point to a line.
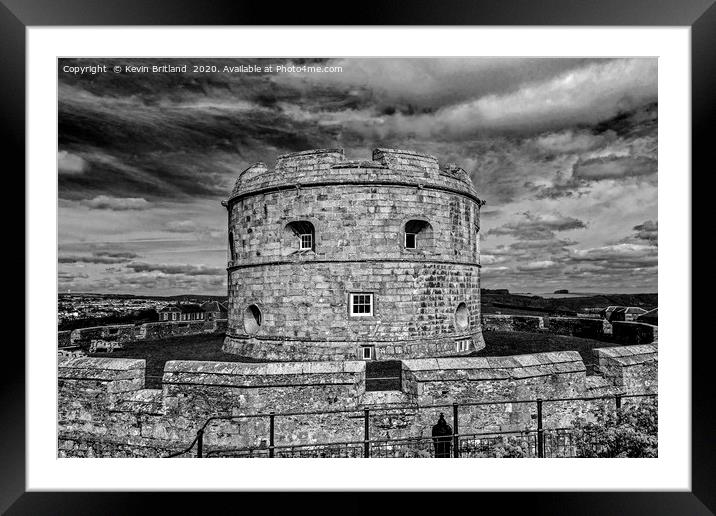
299	236
418	234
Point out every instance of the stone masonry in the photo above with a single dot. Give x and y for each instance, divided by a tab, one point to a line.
104	409
398	228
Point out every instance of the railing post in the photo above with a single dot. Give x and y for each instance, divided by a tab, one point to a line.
540	430
455	431
272	417
200	443
366	433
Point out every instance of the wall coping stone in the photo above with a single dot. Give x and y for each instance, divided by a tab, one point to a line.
112	364
626	351
506	362
262	369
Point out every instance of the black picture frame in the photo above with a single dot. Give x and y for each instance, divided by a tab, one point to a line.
17	15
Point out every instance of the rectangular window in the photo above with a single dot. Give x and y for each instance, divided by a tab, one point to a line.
306	241
462	345
361	305
367	352
410	240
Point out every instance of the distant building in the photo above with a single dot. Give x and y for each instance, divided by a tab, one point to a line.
607	312
650	317
623	313
214	310
208	311
182	312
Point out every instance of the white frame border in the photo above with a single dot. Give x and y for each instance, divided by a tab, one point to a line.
672	470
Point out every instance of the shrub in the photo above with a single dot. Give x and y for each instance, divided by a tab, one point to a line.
631	431
502	447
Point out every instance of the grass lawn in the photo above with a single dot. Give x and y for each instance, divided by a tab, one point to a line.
208	347
157	352
503	343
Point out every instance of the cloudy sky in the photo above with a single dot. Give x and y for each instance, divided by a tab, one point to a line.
564	151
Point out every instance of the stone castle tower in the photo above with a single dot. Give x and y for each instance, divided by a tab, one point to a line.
333	259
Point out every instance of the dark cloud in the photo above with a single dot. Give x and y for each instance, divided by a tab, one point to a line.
648	231
624	255
538	227
104	258
69	277
614	167
117	254
174	269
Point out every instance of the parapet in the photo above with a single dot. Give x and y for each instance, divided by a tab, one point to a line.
330	166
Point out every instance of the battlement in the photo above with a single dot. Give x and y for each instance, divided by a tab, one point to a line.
105	409
330	166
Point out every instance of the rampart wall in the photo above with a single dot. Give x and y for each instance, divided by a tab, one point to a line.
82	337
618	331
634	332
104	408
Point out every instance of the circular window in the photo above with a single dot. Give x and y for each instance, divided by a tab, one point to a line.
461	316
252	319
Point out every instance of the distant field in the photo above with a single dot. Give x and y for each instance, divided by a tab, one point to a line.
208	347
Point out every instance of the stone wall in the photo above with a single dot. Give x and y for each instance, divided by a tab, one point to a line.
106	411
82	337
618	331
64	338
627	332
307	318
495	322
634	369
160	330
576	326
359	211
118	333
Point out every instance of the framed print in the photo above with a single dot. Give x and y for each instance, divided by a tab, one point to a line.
435	237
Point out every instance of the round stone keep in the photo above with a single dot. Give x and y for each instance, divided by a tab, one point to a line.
332	259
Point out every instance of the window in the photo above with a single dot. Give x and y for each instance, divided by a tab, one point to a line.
306	241
231	246
366	352
418	234
462	317
462	345
252	319
361	305
299	236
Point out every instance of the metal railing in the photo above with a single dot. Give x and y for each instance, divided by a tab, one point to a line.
538	442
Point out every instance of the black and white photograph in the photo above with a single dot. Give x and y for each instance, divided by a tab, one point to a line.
357	257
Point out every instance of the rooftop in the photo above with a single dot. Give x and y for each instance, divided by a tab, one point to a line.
330	166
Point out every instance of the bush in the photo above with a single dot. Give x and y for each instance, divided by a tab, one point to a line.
631	431
502	447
